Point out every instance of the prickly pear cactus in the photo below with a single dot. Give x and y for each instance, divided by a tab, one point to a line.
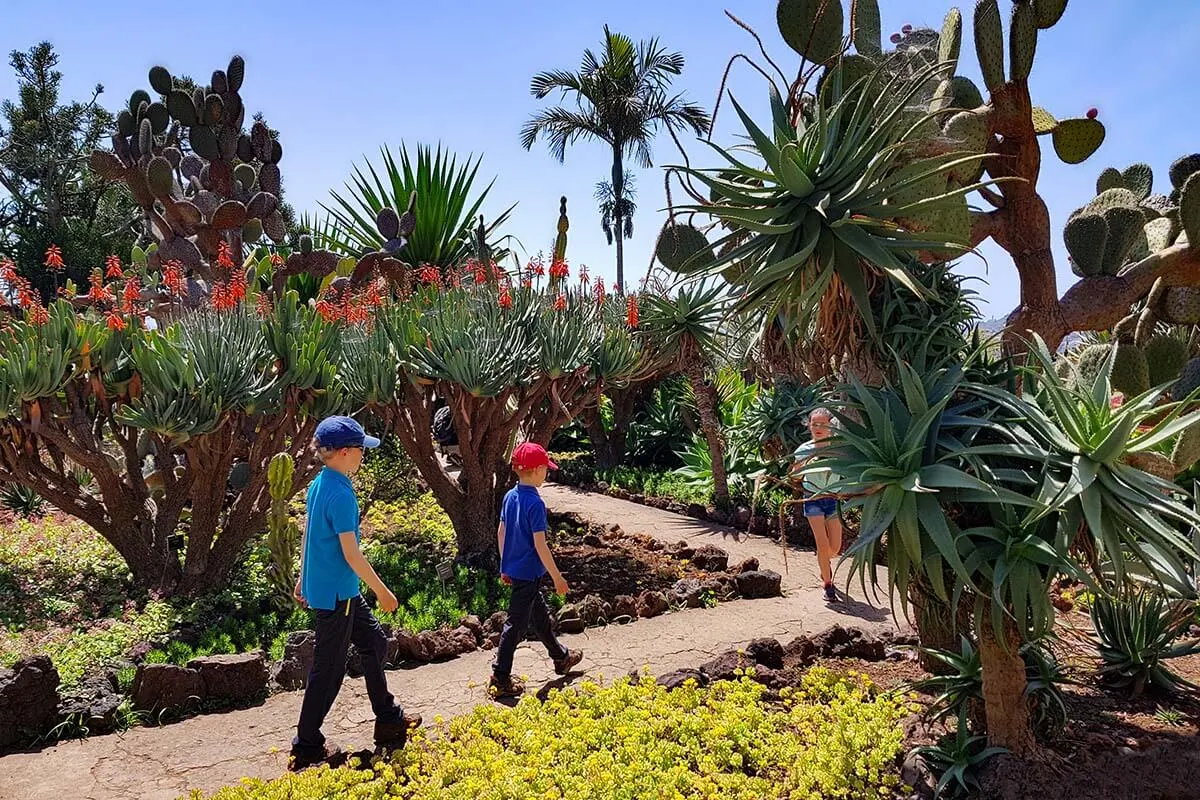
813	28
682	248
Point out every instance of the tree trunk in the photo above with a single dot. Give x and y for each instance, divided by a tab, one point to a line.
609	443
939	625
1005	704
618	184
710	423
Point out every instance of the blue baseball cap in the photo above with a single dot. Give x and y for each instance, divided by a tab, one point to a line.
338	432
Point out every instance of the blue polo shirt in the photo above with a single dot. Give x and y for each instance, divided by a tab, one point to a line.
523	515
327	577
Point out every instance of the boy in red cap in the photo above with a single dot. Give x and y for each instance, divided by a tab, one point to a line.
525	559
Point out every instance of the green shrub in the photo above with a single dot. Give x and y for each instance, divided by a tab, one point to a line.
831	738
87	651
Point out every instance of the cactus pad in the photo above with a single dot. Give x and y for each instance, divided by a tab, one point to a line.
1189	209
160	177
1189	380
269	179
246	174
275	227
159	118
180	107
1138	179
235	73
160	80
1048	12
1090	363
950	42
1186	451
1181	305
1184	168
989	43
1130	374
866	34
813	28
1112	198
966	94
1022	38
1086	237
1165	357
1124	228
1158	234
387	221
683	248
230	214
1043	121
1110	178
1075	140
204	142
262	205
136	99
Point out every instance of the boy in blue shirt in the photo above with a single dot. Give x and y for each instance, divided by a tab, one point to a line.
525	559
331	566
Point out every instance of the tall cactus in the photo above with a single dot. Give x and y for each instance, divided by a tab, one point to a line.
283	536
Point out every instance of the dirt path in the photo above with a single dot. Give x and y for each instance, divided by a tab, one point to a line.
214	750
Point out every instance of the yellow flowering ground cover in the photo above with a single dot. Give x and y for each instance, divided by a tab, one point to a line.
833	737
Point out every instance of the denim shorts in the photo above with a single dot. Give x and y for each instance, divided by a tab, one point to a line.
822	507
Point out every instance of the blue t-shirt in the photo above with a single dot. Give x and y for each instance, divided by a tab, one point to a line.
326	576
523	515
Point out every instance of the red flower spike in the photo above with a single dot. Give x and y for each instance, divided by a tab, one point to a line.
430	275
631	311
129	298
276	260
583	275
114	321
112	266
262	305
560	303
224	255
54	259
8	272
505	300
38	315
559	270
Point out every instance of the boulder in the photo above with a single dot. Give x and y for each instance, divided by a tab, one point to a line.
760	525
444	644
759	583
917	774
719	516
592	540
624	606
652	604
687	592
94	703
710	558
771	678
28	699
594	611
681	550
408	647
839	642
655	545
232	678
166	687
697	511
722	587
673	680
746	565
292	671
495	623
766	651
724	667
800	652
473	624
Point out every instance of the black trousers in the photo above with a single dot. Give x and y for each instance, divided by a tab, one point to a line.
526	609
350	622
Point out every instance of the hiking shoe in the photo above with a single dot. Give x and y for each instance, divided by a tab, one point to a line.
505	687
393	735
564	664
305	757
831	595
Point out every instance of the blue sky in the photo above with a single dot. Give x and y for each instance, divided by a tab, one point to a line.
340	79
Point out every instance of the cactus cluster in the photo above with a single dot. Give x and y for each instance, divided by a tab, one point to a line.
283	536
1126	223
206	185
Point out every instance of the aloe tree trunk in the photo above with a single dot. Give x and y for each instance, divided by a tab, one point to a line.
609	442
618	184
710	423
1005	704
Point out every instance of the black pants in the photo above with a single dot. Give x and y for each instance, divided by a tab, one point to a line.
350	622
527	608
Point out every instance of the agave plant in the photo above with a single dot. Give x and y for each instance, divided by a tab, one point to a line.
449	201
957	760
1139	630
22	500
841	201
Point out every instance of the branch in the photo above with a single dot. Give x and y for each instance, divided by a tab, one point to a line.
1098	303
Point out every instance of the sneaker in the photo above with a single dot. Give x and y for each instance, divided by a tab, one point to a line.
304	757
393	735
831	594
505	687
563	665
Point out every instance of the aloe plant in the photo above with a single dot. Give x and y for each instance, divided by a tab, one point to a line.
183	416
1138	631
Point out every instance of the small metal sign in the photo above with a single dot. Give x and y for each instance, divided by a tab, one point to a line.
445	570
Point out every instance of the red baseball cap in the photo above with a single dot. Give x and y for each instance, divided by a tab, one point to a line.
528	455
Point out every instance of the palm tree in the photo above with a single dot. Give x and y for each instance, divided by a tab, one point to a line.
609	211
621	99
